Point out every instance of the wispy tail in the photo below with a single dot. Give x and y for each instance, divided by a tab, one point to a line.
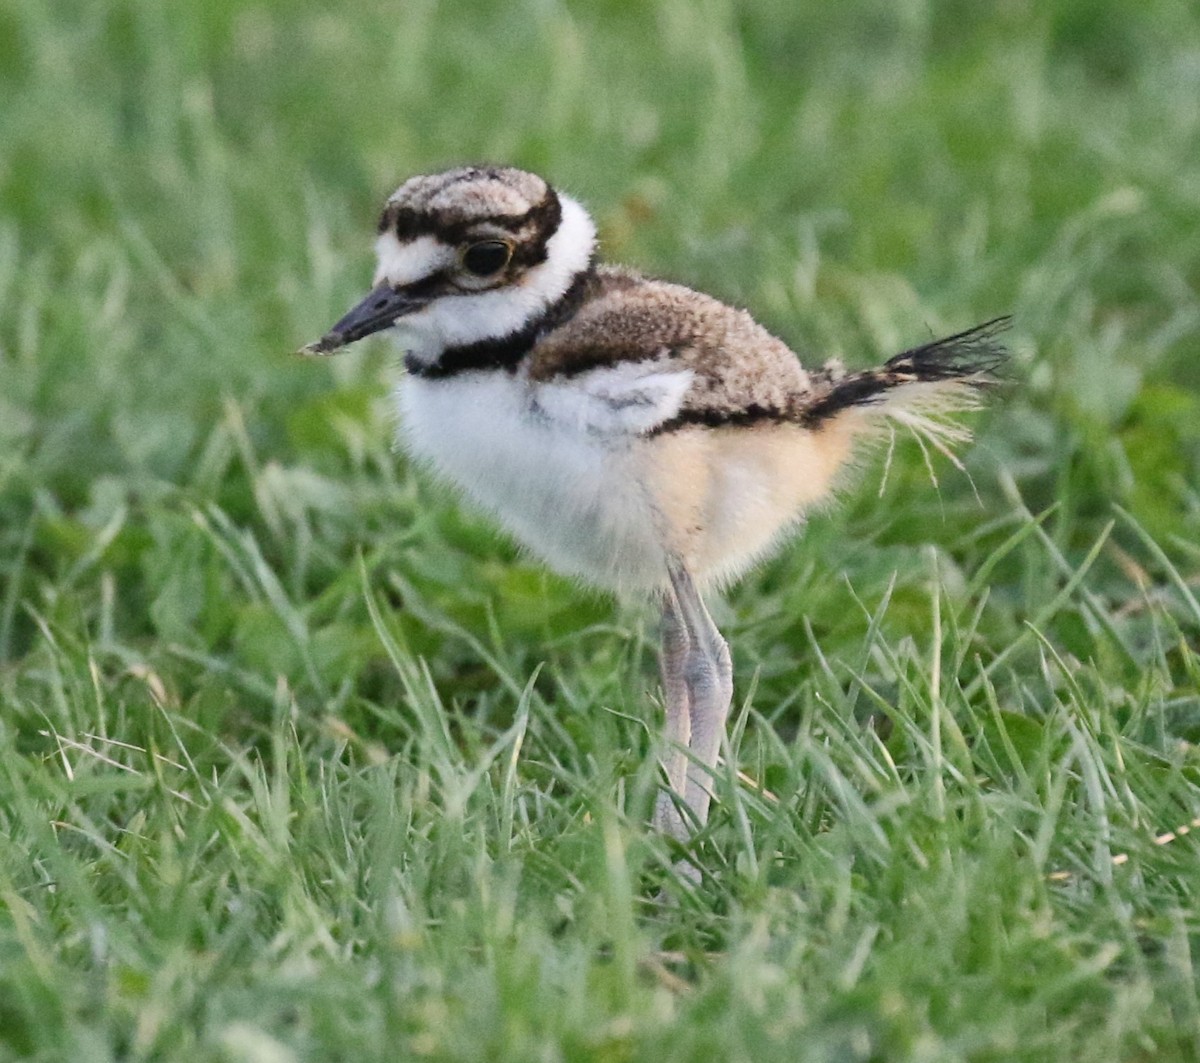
935	378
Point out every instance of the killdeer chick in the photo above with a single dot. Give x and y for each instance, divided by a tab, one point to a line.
634	434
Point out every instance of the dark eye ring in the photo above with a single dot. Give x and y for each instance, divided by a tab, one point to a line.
486	257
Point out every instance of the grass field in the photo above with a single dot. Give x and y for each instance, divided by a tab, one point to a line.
299	760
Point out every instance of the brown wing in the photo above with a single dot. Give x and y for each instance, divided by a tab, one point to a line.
738	366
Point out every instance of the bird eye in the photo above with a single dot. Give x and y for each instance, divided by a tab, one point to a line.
486	257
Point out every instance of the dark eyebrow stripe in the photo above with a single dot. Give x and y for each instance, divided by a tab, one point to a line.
408	224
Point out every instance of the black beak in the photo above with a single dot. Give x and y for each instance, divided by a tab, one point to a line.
382	307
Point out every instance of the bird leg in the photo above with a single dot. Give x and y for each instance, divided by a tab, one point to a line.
708	670
698	686
678	729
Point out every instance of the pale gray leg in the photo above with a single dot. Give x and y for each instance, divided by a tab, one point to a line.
708	675
678	730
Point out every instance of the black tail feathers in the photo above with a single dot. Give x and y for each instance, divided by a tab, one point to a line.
973	358
973	353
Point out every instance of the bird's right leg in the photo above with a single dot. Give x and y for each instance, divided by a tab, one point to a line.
708	673
677	733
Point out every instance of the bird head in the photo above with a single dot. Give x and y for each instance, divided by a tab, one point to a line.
470	255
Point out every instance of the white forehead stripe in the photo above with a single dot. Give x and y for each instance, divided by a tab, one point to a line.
413	260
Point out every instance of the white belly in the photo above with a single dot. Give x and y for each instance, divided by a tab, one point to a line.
610	507
574	499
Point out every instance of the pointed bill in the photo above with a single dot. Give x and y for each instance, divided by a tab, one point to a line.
382	307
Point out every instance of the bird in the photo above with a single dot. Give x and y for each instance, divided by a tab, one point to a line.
634	434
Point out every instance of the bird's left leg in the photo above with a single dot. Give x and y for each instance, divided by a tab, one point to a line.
708	672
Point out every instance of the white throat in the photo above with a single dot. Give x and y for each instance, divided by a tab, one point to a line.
459	320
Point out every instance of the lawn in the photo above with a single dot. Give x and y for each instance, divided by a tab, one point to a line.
301	760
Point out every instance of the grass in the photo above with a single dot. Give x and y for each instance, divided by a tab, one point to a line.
300	761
